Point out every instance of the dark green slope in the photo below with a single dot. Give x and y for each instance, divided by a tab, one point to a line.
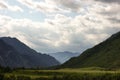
105	54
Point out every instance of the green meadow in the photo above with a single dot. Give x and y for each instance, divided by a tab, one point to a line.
62	74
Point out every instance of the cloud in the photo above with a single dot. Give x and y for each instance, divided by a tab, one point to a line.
110	1
4	5
114	20
45	7
59	34
53	6
111	12
70	4
85	24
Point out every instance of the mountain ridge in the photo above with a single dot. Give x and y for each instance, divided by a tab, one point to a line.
63	56
20	55
106	54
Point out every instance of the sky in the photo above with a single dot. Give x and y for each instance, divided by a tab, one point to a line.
50	26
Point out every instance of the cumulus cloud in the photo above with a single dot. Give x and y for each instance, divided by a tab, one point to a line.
4	5
46	6
114	20
69	4
86	24
65	33
53	6
111	11
110	1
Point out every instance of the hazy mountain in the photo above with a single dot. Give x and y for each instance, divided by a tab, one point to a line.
105	54
63	56
14	53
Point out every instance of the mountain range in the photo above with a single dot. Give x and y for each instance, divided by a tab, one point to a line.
105	55
14	53
63	56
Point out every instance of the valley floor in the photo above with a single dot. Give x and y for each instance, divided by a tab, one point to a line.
62	74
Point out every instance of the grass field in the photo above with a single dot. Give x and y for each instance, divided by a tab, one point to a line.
62	74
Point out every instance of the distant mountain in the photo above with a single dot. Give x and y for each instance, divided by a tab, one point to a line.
105	54
63	56
14	53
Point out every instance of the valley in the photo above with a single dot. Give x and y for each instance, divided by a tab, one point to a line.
101	62
63	74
